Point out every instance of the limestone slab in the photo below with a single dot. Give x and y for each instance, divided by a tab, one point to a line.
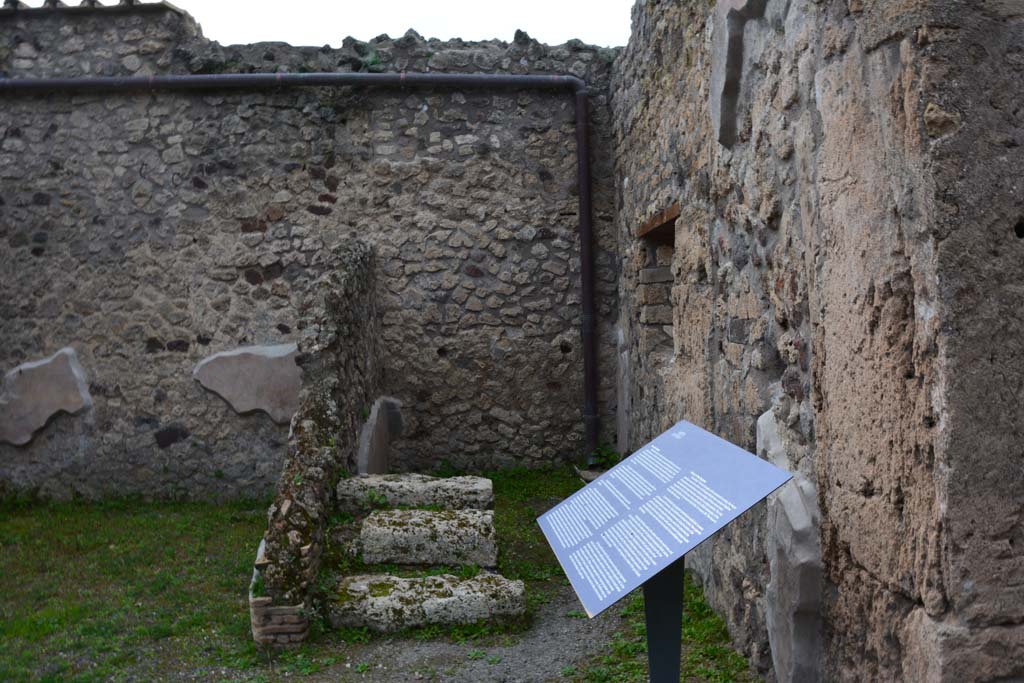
34	392
388	603
255	378
428	537
416	490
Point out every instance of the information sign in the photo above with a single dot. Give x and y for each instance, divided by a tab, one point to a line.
652	508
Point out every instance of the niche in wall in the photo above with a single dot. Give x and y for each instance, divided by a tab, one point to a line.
657	237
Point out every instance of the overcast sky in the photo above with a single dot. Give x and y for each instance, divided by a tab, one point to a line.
328	22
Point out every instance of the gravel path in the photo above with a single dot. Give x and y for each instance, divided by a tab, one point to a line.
555	642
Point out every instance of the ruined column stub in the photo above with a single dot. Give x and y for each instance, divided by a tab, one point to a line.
731	17
255	378
383	426
415	490
388	603
34	392
429	537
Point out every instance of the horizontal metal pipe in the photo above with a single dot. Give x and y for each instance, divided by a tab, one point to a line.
290	80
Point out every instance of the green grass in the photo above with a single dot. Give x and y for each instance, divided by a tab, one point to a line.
520	496
707	656
88	589
130	590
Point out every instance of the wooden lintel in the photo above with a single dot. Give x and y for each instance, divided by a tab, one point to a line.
660	223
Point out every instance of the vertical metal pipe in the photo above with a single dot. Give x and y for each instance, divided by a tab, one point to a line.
588	328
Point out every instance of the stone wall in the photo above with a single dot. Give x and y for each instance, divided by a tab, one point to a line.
148	231
340	352
843	264
971	624
830	274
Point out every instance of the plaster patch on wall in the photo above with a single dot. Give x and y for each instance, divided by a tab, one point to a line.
255	378
34	392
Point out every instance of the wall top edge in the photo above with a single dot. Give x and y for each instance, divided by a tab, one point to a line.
90	8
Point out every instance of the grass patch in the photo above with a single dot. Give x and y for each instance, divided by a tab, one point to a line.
89	588
129	590
520	496
707	655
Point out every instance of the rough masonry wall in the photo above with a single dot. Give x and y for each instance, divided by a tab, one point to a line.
149	231
341	358
975	74
845	257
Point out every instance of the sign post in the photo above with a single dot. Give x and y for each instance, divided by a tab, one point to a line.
634	524
663	610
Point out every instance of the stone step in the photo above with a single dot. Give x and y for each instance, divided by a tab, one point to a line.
387	603
426	537
415	490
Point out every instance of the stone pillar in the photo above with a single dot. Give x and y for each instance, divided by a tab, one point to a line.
794	592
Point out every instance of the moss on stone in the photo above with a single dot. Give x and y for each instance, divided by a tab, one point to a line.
381	589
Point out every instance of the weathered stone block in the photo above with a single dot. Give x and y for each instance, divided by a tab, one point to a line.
383	425
428	537
945	650
656	315
654	338
389	603
794	592
416	490
652	275
255	378
34	392
653	294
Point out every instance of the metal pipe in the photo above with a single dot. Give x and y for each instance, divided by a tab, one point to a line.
588	330
591	420
289	80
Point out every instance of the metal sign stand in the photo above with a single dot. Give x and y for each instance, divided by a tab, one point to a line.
663	610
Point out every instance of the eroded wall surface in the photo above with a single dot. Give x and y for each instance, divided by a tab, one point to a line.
150	230
845	257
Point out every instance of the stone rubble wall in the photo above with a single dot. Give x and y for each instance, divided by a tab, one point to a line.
341	358
277	626
148	231
850	232
340	352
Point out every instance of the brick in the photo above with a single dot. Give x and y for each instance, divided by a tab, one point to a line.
277	629
651	275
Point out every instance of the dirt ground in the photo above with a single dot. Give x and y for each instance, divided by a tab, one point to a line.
556	643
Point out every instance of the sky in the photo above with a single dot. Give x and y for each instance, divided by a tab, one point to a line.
328	22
